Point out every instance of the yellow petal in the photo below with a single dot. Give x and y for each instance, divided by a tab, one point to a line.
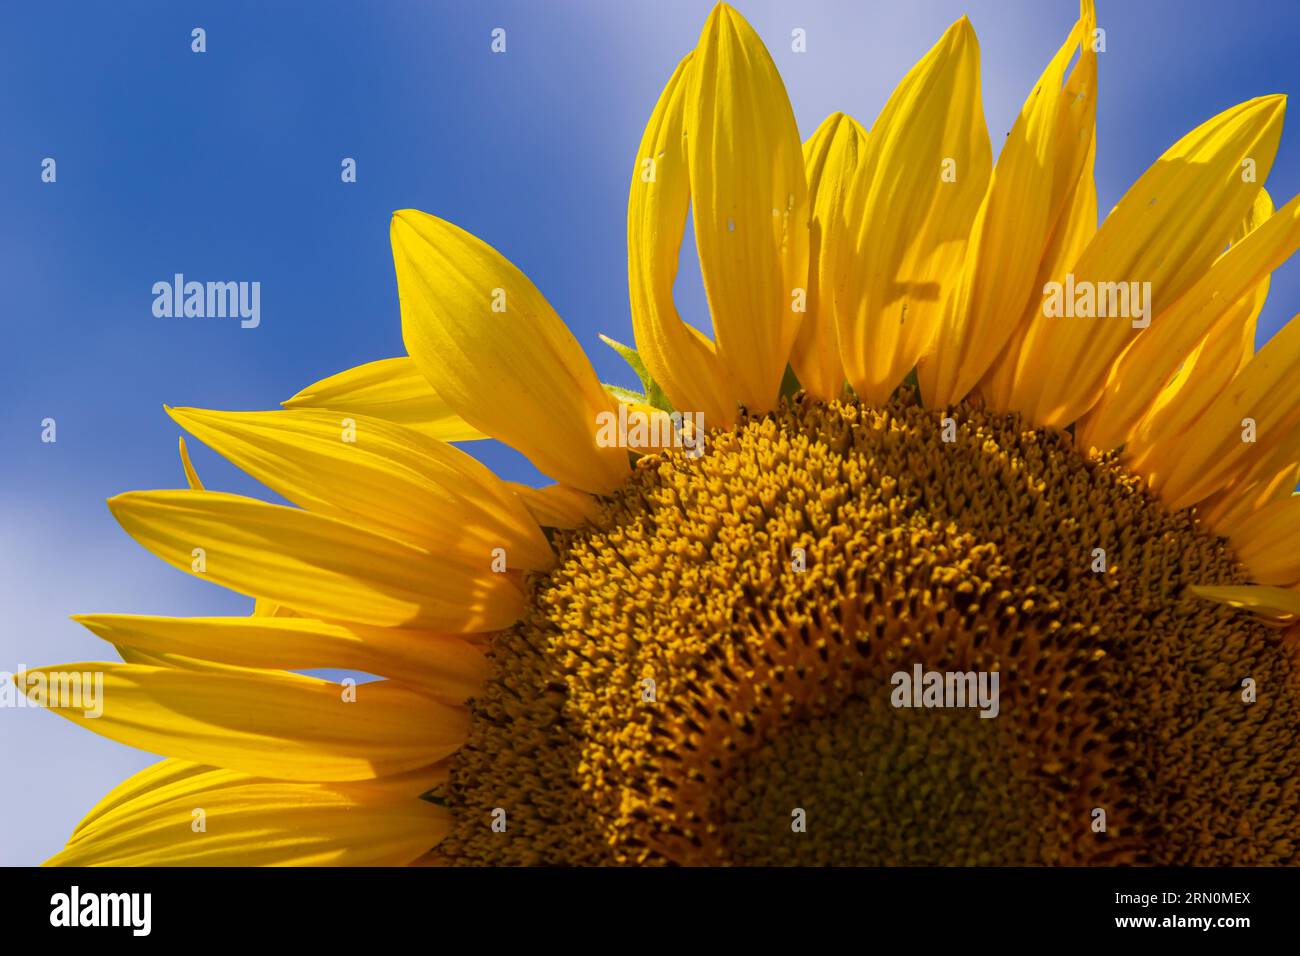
918	187
131	655
154	779
643	429
191	476
1267	393
392	389
382	476
1267	478
1205	373
831	157
250	821
1071	236
1268	542
1230	287
442	664
266	723
497	353
264	608
1030	194
679	357
412	783
1166	231
750	203
1275	603
315	564
1077	227
157	782
557	506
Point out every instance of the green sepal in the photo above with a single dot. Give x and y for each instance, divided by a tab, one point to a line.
913	381
625	395
789	382
654	395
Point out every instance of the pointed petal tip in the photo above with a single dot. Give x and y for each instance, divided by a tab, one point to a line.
406	219
90	622
725	13
95	623
125	499
1272	103
183	415
304	396
960	35
837	119
119	503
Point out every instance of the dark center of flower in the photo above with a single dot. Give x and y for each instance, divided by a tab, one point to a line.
713	672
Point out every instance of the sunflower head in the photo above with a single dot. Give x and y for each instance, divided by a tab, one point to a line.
934	551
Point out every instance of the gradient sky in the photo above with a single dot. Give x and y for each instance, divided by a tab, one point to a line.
225	166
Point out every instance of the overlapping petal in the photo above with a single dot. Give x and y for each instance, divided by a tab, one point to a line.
1166	231
750	203
1258	411
265	723
316	564
1029	199
918	186
178	813
392	389
1227	293
445	665
380	475
496	352
831	156
556	506
682	359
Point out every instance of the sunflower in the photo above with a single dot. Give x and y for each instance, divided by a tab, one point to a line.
893	453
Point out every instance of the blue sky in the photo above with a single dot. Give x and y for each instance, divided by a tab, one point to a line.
225	166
